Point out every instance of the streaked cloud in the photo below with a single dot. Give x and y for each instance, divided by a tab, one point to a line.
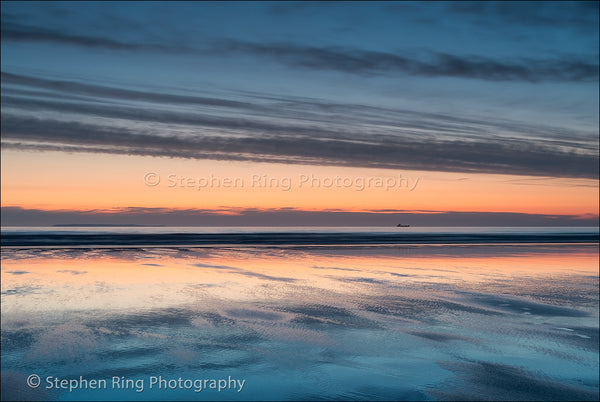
432	64
288	130
343	59
466	87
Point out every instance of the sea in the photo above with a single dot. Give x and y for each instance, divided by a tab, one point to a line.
299	313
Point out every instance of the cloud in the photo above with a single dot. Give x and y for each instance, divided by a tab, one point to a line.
363	62
582	15
109	102
116	93
459	155
259	127
155	114
434	64
24	33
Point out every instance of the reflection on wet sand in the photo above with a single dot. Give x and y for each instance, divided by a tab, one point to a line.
418	323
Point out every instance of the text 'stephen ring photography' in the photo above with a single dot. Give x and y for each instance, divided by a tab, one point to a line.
299	201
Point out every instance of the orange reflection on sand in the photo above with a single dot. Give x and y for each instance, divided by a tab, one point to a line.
150	279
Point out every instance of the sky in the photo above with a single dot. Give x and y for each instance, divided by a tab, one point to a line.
300	113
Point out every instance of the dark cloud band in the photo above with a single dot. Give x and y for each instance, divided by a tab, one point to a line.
342	59
457	155
99	119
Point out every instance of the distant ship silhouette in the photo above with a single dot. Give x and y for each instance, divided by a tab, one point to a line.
402	226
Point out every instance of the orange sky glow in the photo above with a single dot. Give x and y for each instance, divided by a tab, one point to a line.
62	181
